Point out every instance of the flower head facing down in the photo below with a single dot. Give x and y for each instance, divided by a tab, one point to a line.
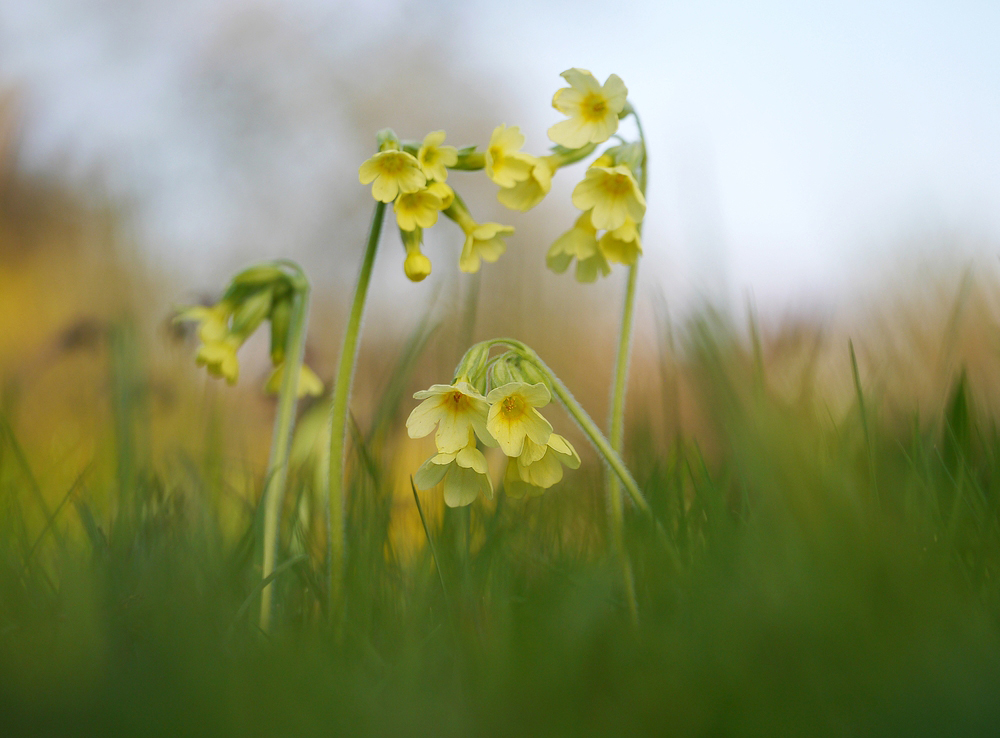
456	409
392	172
539	467
483	243
593	109
464	473
527	193
580	243
622	245
506	164
612	195
513	416
308	384
434	158
219	358
419	208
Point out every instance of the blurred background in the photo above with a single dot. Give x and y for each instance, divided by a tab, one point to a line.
816	163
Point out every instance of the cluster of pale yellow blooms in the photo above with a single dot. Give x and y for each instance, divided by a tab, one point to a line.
413	177
497	402
263	292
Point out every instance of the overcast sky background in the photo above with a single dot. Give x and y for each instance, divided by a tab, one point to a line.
796	148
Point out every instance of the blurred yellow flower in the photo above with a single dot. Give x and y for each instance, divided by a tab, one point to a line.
456	409
580	243
593	109
483	242
418	208
513	416
309	383
622	245
506	164
219	358
444	192
392	172
539	467
530	191
464	473
612	195
434	158
213	322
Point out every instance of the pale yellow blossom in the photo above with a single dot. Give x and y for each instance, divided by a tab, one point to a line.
593	109
612	195
434	158
513	416
506	164
392	172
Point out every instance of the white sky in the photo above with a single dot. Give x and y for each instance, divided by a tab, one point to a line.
793	144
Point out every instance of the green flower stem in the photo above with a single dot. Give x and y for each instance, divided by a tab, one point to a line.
616	424
284	424
335	466
584	420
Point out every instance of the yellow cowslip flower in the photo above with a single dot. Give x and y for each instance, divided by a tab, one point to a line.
612	195
533	473
484	242
580	243
527	193
506	164
444	192
309	383
593	109
622	245
393	172
434	158
464	473
456	409
513	416
213	322
219	358
418	208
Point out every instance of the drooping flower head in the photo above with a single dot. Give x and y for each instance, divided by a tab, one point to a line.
612	195
506	164
434	158
416	266
533	473
593	109
527	193
464	473
419	208
456	409
580	243
513	415
219	358
483	243
392	172
622	245
308	384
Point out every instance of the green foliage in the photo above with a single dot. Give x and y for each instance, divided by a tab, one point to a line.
822	576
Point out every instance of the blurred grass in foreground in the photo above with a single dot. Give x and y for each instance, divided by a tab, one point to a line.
837	574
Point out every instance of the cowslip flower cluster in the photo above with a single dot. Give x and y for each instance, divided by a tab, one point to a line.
258	294
412	176
507	416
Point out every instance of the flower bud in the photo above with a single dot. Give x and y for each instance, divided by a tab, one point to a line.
251	313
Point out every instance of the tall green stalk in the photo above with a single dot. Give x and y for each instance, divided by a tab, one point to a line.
335	464
616	425
284	425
